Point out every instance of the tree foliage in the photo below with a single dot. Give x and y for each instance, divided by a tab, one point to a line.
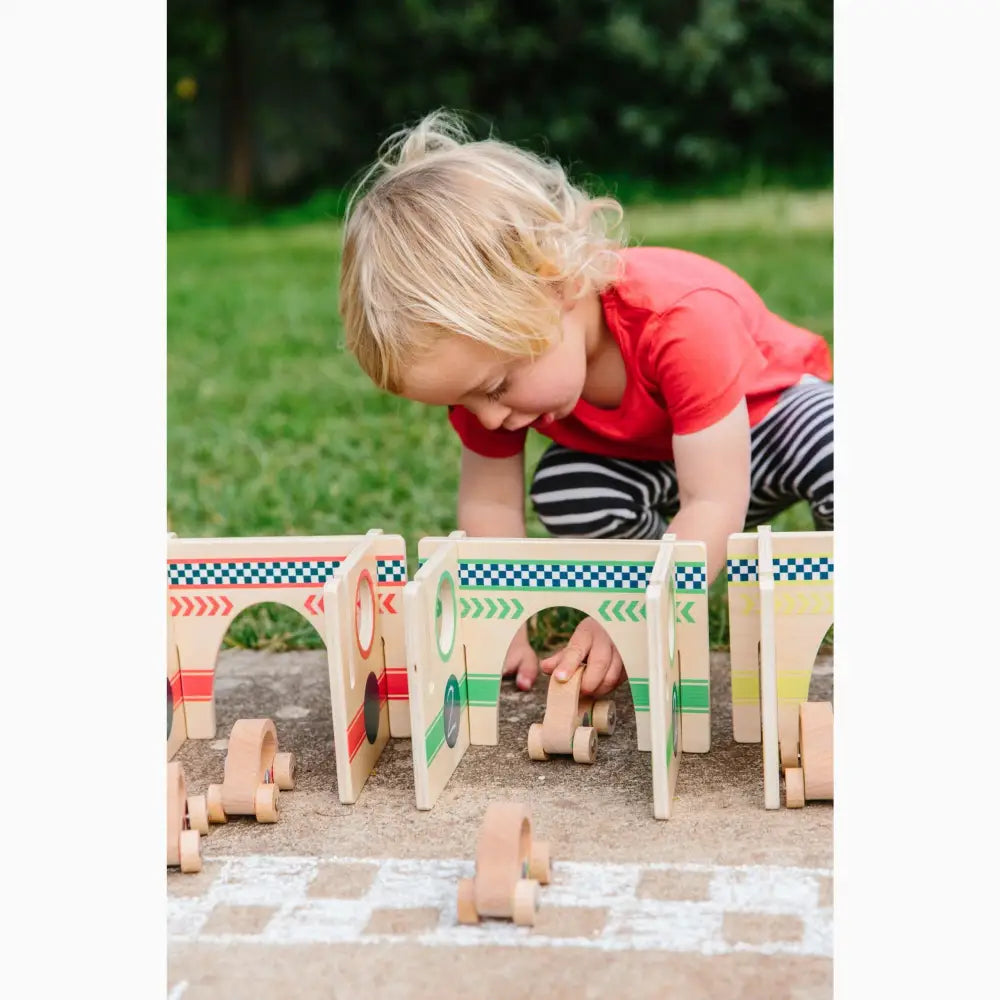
296	94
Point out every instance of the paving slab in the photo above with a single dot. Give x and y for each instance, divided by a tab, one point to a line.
725	899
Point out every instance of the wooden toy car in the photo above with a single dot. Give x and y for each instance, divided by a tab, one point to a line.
509	867
187	820
808	760
254	773
571	723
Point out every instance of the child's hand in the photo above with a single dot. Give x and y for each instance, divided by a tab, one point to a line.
522	660
604	670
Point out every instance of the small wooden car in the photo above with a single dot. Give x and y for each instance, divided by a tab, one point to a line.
254	773
571	723
807	755
187	820
509	867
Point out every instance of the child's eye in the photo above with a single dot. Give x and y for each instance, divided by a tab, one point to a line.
494	394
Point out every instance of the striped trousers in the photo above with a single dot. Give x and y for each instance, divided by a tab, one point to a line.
791	459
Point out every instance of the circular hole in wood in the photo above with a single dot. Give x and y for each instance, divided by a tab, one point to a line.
373	707
445	615
364	614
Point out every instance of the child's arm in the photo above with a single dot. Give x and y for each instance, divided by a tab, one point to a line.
491	502
491	495
713	476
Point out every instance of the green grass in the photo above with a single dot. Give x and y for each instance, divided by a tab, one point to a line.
272	429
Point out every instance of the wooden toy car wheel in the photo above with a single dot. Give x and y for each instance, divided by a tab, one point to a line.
539	864
265	803
284	771
525	904
604	716
536	743
795	789
816	748
213	797
190	849
197	809
585	745
467	912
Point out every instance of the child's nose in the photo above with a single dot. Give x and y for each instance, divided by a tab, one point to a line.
493	415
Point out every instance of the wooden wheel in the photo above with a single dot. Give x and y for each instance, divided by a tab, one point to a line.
788	736
540	864
536	742
213	798
525	901
284	771
816	748
265	803
197	809
795	789
190	849
467	912
585	745
604	717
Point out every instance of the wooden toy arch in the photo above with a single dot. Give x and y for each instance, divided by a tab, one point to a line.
211	580
445	644
803	581
502	582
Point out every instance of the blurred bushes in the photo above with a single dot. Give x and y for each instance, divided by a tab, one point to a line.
272	102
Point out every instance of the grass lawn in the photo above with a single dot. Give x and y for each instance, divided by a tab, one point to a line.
272	429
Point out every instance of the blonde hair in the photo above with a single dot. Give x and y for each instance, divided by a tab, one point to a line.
445	235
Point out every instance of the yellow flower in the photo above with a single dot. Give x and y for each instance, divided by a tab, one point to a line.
186	88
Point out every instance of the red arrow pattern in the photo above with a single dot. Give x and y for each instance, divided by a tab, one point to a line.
314	604
385	603
198	606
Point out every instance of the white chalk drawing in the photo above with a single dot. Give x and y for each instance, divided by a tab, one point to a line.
633	922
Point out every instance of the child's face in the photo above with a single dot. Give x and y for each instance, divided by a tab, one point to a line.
502	391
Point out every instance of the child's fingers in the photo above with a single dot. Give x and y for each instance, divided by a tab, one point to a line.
572	657
612	678
598	661
527	672
549	663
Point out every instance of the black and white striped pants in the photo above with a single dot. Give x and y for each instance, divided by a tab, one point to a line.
791	459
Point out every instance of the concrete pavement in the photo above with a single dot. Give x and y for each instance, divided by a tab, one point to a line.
723	900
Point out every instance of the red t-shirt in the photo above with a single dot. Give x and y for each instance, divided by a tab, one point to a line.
695	339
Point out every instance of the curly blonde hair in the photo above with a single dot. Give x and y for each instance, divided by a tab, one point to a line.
445	235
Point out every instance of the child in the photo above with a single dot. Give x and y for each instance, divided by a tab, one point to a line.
475	276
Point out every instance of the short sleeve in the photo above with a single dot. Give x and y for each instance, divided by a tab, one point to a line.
491	444
702	358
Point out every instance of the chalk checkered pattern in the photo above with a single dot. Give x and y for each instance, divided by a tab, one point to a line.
275	572
299	906
554	576
788	570
391	570
689	576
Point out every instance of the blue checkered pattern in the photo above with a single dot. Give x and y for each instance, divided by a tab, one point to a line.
789	570
690	576
276	572
741	570
554	576
803	568
391	570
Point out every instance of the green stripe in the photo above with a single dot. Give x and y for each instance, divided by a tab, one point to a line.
483	689
563	590
694	697
640	693
434	737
